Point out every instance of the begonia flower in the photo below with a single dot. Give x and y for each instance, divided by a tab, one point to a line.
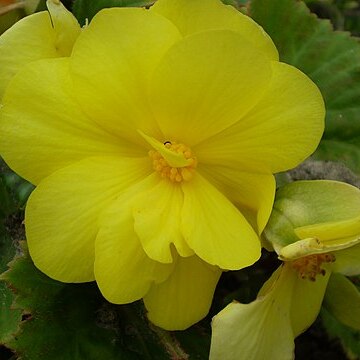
153	148
315	228
37	36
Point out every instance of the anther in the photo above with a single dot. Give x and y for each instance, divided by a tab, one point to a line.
174	174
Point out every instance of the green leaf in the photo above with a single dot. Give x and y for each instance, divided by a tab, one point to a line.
73	322
349	338
9	317
331	59
85	9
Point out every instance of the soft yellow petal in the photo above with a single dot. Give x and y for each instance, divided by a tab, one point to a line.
330	232
157	215
62	214
46	130
215	229
185	297
123	271
65	26
195	16
30	39
205	83
253	193
111	64
312	246
316	202
348	261
282	129
259	330
306	300
342	299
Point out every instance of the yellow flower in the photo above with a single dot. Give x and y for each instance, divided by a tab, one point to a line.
315	228
38	36
153	147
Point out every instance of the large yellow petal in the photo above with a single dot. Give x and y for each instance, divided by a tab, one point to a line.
38	36
195	16
259	330
215	229
62	214
111	64
157	214
252	193
306	299
185	297
282	129
123	271
43	129
205	83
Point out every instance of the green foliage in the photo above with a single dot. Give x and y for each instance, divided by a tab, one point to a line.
9	318
331	59
85	9
73	322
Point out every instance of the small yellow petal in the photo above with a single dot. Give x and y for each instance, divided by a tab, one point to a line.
307	297
215	229
66	27
252	193
123	271
185	297
157	214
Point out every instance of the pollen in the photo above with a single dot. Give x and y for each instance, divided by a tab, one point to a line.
310	266
174	174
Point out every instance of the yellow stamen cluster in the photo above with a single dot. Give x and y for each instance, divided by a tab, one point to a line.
174	174
309	266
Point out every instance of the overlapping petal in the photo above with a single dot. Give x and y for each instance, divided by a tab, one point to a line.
201	15
111	65
253	193
66	253
215	229
278	133
259	330
199	87
157	214
123	271
185	297
49	130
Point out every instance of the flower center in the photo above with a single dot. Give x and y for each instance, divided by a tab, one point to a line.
309	266
175	174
